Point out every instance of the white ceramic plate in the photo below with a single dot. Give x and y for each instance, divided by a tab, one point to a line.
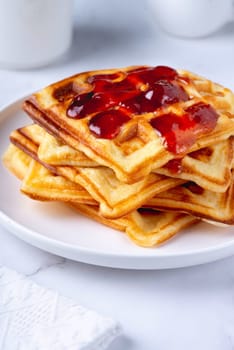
58	229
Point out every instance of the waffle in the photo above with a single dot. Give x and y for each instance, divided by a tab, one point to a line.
183	197
194	200
147	151
49	150
28	139
205	167
41	184
54	152
145	227
115	198
16	161
140	144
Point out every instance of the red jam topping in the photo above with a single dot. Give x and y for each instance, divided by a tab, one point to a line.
181	132
204	116
77	105
107	124
150	75
123	91
105	86
174	166
161	94
89	103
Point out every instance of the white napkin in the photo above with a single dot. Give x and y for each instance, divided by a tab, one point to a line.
35	318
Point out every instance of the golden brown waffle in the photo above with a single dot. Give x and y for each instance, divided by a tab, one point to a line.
152	228
146	228
204	167
147	151
138	148
192	199
115	198
209	167
48	149
41	184
54	152
33	132
220	97
188	198
16	161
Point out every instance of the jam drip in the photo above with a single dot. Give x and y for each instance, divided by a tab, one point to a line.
108	123
141	90
181	132
175	166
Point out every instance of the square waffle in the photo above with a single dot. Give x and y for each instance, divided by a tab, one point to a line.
184	197
50	150
194	200
41	184
16	161
28	139
54	152
134	120
206	167
115	198
145	150
145	227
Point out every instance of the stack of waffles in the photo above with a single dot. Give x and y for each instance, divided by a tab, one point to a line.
145	150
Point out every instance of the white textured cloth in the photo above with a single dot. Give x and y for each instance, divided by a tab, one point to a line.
36	318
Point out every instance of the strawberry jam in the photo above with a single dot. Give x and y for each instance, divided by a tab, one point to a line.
77	105
117	97
108	93
163	93
204	116
107	124
150	75
175	166
181	132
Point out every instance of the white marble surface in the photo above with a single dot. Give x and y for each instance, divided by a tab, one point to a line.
191	308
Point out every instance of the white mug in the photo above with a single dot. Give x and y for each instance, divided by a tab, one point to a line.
192	18
34	33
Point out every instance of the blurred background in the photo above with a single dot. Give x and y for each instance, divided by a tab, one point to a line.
113	33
